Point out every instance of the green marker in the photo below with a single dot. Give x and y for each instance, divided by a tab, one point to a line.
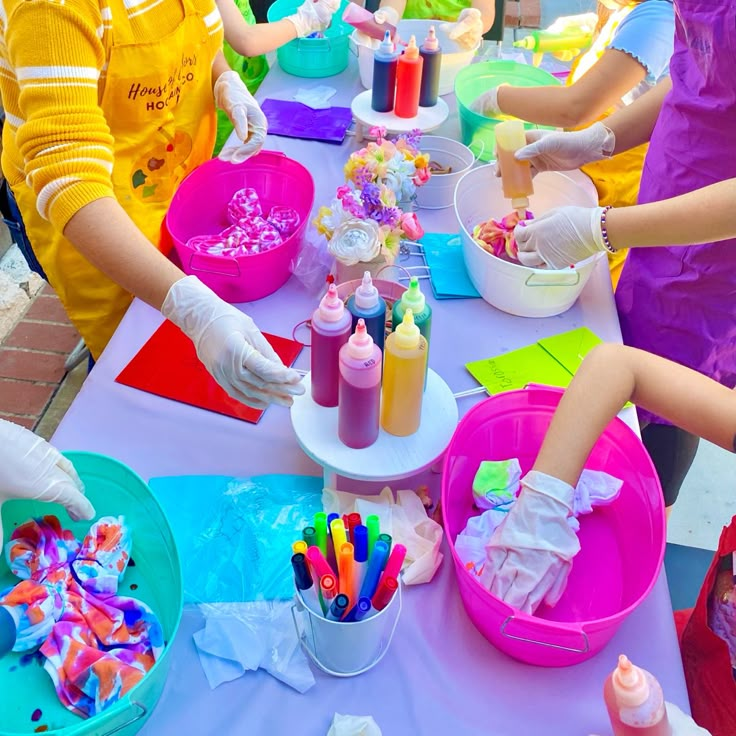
320	527
374	529
387	539
310	536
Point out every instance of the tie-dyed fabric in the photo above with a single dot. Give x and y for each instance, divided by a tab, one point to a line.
97	645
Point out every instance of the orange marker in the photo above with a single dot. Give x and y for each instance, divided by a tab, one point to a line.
346	573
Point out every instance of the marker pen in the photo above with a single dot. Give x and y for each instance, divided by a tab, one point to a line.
339	537
300	546
346	573
320	528
359	611
310	536
353	521
305	584
386	538
374	530
375	565
331	556
395	561
330	519
360	543
337	609
385	593
319	564
328	587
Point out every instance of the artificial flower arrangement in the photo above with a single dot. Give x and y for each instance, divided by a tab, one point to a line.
365	219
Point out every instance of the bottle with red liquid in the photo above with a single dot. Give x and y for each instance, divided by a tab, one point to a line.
635	702
360	390
331	327
408	81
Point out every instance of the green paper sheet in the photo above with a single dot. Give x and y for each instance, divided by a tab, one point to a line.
569	348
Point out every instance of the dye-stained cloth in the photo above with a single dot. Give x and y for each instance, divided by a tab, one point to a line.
97	645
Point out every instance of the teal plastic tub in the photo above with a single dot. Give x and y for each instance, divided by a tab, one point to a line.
115	490
477	131
313	57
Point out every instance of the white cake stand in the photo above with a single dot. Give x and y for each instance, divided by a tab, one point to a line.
389	458
426	120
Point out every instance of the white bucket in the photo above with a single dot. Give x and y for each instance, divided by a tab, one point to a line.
346	649
453	57
439	191
511	287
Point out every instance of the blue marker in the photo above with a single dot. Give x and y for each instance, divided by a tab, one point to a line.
375	566
360	542
331	551
338	607
360	610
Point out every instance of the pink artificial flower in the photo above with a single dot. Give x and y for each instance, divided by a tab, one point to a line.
378	132
411	227
343	191
421	177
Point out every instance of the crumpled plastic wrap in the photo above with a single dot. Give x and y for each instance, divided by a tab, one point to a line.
353	726
313	263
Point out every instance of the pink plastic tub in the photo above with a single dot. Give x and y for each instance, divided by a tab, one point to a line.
199	207
622	545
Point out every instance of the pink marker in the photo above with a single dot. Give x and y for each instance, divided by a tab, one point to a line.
395	561
318	564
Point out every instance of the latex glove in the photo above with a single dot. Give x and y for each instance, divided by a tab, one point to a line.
681	724
487	103
560	238
230	345
467	32
530	554
353	726
549	150
251	126
31	468
313	16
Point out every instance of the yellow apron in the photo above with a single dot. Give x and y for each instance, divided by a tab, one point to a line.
159	137
616	179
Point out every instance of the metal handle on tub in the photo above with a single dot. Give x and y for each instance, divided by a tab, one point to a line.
530	279
220	265
510	619
141	714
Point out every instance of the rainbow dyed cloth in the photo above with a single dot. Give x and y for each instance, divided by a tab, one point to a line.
97	645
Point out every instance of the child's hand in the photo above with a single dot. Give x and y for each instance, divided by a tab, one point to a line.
313	16
487	103
467	33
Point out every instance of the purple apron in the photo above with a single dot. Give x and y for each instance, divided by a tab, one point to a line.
680	302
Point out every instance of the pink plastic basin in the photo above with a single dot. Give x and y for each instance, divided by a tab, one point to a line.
622	545
199	207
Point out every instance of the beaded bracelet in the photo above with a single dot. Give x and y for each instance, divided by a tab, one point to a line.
604	230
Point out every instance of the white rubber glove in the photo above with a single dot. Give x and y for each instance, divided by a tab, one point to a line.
487	103
530	554
548	150
31	468
381	16
251	126
313	16
467	32
230	345
560	238
681	724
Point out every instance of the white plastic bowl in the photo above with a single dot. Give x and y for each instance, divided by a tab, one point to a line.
453	57
439	191
511	287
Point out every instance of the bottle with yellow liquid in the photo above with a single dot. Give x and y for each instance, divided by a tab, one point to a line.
405	359
516	176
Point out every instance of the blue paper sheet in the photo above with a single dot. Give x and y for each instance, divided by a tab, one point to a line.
443	254
234	535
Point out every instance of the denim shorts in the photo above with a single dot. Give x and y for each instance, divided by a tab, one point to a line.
12	218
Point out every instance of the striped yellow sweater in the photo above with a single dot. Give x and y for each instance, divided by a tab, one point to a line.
53	56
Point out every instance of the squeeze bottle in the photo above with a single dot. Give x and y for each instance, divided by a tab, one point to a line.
369	305
516	176
544	42
431	54
403	379
385	61
408	81
635	702
413	299
360	390
363	20
331	324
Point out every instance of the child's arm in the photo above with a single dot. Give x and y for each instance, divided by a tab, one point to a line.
610	376
599	89
488	12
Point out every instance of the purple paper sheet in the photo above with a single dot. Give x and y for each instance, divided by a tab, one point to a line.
295	120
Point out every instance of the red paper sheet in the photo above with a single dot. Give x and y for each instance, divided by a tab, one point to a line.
167	365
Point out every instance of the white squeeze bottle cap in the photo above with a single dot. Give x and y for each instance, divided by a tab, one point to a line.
413	298
629	684
360	345
366	295
387	46
431	43
412	52
331	308
407	333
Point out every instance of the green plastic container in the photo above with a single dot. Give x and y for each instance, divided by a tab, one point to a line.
477	131
115	490
313	57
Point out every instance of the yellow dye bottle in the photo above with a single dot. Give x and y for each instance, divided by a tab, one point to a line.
516	176
404	363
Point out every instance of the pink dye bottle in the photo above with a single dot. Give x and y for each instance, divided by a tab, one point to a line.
635	702
360	390
331	327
